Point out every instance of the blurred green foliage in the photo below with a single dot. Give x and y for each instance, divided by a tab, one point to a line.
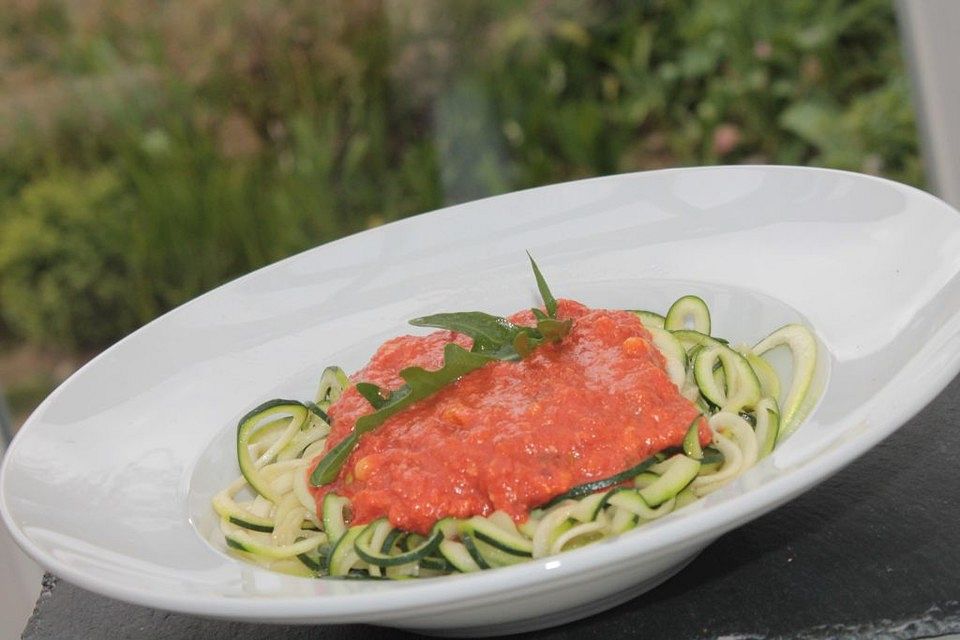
150	151
63	260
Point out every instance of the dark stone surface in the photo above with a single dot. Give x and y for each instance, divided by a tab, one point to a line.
870	553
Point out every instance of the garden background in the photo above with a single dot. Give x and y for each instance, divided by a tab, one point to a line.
151	150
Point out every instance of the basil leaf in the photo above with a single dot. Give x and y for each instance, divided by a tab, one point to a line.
549	302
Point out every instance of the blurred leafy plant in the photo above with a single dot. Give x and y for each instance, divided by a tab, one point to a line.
64	274
604	87
151	152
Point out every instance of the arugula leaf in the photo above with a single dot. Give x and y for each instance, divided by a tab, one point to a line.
498	336
494	338
554	330
329	466
524	345
489	332
549	302
372	393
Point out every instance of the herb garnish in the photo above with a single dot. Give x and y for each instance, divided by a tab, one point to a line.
494	338
549	302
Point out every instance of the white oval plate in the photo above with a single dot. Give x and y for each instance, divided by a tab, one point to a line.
102	486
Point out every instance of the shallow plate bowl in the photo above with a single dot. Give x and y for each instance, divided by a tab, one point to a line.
108	483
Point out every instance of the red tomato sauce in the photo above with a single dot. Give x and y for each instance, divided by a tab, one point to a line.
510	435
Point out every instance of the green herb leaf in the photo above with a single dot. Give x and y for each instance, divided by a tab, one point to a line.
523	345
549	302
554	330
489	333
372	393
329	466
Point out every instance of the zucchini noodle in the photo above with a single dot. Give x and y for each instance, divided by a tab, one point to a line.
269	515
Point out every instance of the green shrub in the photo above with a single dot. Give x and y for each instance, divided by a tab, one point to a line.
607	87
147	156
63	271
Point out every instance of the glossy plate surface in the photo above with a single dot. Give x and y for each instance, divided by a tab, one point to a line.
108	483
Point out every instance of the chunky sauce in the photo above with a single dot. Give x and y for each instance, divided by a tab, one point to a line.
511	435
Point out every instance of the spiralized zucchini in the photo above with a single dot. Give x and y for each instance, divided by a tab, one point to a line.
268	516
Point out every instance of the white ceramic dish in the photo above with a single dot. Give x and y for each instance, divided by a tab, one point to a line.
102	486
